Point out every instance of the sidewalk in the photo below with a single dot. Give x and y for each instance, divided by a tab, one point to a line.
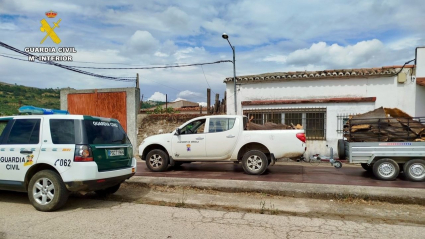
296	190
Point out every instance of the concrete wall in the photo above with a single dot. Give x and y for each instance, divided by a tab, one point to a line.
132	104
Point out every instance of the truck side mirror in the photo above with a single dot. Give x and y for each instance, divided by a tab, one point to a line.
177	131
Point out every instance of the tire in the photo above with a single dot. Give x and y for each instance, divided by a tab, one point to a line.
254	162
414	170
386	169
341	149
108	191
46	191
367	167
157	160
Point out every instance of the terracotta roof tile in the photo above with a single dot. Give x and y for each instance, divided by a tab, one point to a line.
342	73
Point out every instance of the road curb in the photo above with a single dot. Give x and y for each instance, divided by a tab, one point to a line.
300	190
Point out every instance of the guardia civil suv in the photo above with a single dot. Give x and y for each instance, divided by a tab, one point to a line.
50	156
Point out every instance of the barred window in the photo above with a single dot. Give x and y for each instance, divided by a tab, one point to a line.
313	120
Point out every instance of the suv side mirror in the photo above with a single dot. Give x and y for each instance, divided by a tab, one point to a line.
177	131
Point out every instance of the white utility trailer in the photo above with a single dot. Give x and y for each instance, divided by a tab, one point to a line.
390	146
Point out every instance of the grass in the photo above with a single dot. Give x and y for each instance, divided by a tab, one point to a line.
14	96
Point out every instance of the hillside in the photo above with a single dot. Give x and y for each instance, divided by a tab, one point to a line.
13	96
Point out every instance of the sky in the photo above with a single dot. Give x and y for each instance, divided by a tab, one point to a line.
269	36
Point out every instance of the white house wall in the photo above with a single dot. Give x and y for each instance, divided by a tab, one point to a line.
332	111
388	92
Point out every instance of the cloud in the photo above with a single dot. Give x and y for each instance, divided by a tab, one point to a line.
362	53
203	104
187	94
157	96
178	99
142	42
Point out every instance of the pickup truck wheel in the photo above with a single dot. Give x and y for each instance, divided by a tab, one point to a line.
157	160
415	170
108	191
367	167
386	169
254	162
46	191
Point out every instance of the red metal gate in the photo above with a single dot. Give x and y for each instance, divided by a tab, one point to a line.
105	104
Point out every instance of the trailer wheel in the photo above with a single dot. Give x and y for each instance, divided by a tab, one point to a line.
367	167
386	169
341	149
415	170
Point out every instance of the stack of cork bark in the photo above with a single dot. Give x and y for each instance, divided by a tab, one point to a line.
384	125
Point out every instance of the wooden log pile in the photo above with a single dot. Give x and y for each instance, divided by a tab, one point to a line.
384	125
270	126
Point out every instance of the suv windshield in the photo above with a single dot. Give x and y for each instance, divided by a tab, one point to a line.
102	132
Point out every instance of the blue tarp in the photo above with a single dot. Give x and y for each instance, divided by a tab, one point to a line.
41	111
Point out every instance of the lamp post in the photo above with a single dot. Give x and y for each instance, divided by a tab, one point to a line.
225	36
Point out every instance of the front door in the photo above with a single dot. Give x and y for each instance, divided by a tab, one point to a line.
222	137
190	143
19	149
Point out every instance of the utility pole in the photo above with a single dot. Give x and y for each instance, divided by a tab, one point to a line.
226	37
137	80
208	101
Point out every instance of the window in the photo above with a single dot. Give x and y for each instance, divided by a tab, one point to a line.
3	126
221	124
62	131
313	120
24	131
102	132
194	127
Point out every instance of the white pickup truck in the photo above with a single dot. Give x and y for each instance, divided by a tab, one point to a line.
221	138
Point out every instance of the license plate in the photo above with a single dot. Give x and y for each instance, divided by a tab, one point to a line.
118	152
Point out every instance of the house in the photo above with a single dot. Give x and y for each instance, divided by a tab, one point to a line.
322	100
178	104
182	106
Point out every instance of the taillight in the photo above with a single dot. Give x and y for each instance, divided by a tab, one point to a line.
301	136
83	153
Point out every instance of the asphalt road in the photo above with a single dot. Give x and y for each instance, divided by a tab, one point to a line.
284	172
88	217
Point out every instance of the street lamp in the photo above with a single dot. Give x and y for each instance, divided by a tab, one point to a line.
225	36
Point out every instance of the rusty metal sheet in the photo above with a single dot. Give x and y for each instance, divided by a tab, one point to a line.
104	104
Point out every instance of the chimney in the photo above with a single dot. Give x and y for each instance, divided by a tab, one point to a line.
420	65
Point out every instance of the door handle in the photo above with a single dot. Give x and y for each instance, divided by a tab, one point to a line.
230	136
199	138
26	152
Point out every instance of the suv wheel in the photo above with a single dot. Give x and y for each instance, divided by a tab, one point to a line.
46	191
108	191
254	162
157	160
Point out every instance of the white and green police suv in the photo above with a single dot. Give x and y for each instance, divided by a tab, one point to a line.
50	156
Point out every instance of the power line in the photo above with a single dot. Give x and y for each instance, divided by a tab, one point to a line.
151	67
206	79
70	68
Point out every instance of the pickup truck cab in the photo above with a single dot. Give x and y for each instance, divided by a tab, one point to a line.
50	156
221	138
